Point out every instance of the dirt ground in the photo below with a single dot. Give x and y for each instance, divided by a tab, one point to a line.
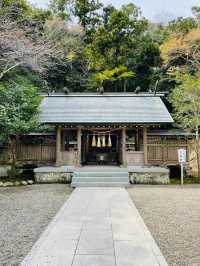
24	213
172	214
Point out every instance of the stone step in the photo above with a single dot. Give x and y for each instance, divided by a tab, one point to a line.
100	184
100	174
100	179
101	169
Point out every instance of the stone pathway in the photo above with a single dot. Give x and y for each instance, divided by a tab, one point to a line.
96	227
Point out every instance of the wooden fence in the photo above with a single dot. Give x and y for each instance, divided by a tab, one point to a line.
36	152
162	150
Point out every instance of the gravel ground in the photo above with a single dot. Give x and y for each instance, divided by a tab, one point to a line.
24	213
172	214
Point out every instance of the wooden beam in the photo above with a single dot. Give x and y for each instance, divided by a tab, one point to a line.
124	157
145	146
78	164
58	145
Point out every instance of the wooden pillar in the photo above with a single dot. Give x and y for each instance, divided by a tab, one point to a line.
58	146
124	157
78	164
145	145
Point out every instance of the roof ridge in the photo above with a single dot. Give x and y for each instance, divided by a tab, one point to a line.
103	95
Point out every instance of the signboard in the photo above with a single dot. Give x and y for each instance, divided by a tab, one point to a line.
182	155
182	159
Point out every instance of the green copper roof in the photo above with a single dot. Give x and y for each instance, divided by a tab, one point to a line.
105	108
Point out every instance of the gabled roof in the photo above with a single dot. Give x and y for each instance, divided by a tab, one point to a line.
105	108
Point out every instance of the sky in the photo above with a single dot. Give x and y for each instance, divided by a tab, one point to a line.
155	10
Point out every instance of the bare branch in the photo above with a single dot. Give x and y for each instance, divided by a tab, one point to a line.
18	49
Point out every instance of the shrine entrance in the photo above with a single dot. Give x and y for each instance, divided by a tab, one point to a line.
101	147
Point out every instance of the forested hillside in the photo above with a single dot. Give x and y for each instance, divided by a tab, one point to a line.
75	46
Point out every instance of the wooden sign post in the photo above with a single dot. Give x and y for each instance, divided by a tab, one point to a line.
182	160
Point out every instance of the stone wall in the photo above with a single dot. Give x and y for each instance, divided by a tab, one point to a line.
149	178
53	174
53	177
137	175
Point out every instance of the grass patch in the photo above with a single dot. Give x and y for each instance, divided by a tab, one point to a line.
187	180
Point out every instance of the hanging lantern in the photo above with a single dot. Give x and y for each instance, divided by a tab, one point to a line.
94	141
103	141
109	141
99	142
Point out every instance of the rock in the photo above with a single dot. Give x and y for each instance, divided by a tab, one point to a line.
30	182
1	184
24	183
8	184
17	183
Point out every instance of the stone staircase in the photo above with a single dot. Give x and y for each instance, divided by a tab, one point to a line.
100	177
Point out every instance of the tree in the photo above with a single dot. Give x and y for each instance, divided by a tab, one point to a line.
158	33
61	8
185	99
89	16
66	36
68	72
183	51
119	73
86	11
182	26
116	44
18	50
26	17
196	13
19	112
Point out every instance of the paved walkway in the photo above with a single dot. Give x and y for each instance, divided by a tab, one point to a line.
96	227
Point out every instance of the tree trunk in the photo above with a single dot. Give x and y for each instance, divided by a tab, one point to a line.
13	144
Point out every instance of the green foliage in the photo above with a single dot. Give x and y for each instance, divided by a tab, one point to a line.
15	8
61	8
19	103
158	33
67	76
67	37
105	46
21	10
196	13
185	99
88	14
116	74
183	25
120	41
106	40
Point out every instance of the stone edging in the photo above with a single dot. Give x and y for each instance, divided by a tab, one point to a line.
16	183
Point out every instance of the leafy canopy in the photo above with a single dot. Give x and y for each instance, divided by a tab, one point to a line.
183	52
185	99
19	103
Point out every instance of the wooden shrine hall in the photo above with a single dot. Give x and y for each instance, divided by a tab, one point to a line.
103	129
